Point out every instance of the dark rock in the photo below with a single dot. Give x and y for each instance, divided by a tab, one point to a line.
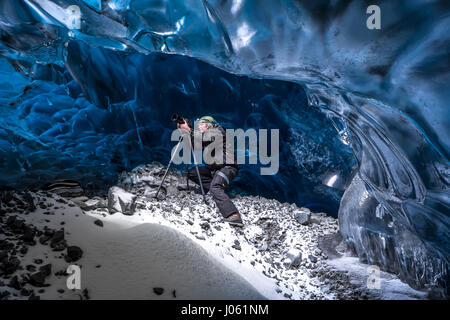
3	255
174	294
236	245
24	292
47	231
57	237
18	225
37	279
38	261
44	239
31	268
4	295
10	266
46	269
331	245
200	237
74	253
57	243
34	297
312	258
28	235
6	245
99	223
10	221
158	291
302	216
86	294
61	273
65	188
28	198
6	196
61	290
14	283
204	225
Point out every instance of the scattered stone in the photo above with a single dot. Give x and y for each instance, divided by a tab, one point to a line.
236	245
28	198
74	253
158	291
98	223
44	239
204	225
37	279
58	236
65	188
28	235
30	268
14	283
312	258
25	293
121	201
86	294
46	269
294	257
9	266
301	215
34	297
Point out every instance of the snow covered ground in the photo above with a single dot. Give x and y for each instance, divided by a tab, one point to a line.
137	247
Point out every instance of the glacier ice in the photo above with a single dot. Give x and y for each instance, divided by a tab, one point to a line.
385	91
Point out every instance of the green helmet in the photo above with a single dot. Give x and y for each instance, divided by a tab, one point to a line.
207	119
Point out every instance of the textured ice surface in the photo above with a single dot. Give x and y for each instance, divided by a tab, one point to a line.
387	90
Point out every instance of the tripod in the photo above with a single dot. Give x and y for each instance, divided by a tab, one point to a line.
180	140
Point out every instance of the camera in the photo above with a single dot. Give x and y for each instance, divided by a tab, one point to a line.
176	118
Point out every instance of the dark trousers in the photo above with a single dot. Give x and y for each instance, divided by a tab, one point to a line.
216	185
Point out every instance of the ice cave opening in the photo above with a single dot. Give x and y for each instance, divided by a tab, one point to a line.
128	123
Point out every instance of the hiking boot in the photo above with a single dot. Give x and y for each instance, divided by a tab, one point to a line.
234	220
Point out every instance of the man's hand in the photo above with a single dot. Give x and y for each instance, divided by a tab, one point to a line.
184	126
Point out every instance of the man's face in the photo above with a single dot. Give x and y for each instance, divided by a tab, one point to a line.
203	127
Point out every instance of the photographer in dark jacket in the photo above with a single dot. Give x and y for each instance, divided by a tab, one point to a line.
217	175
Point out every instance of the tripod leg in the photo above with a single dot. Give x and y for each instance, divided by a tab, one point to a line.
187	177
168	166
198	175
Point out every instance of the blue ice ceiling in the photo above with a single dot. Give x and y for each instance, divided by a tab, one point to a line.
385	91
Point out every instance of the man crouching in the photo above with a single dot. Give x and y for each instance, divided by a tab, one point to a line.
220	171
